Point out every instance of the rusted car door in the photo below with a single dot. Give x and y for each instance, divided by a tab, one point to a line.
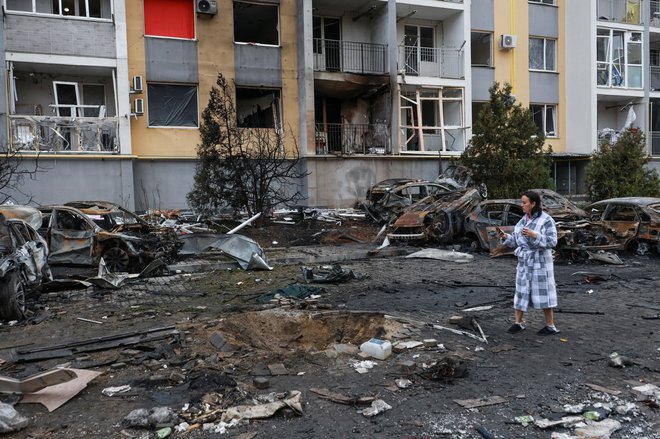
622	221
34	252
70	238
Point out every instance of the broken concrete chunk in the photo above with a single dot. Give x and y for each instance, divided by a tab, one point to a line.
261	383
480	402
403	383
218	341
10	419
407	366
648	390
346	348
277	369
403	345
430	342
566	421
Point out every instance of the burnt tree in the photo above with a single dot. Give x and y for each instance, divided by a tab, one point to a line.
242	168
14	169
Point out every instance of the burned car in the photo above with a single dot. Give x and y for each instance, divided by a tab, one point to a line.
23	259
438	217
630	223
387	199
82	236
505	213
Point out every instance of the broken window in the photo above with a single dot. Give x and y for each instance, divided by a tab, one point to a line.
542	54
514	215
432	119
71	8
419	47
545	2
545	117
622	213
169	18
257	108
256	23
482	49
172	105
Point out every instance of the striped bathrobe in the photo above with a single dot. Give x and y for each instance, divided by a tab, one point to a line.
535	276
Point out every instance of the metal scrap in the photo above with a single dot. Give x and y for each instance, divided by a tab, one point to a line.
244	250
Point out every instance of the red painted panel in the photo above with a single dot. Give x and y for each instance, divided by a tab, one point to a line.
169	18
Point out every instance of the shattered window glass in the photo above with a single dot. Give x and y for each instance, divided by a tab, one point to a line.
257	107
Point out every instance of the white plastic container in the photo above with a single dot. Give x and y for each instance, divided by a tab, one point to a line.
379	349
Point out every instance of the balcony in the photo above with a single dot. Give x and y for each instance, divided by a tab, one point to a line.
655	13
350	57
343	138
655	78
620	11
444	62
655	143
56	134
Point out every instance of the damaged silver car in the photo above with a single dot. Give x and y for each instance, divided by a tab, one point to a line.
23	259
82	236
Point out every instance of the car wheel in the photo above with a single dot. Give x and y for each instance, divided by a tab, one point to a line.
12	297
116	259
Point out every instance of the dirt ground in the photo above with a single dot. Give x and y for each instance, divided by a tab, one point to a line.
230	333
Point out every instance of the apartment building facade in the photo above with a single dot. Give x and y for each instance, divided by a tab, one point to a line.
109	93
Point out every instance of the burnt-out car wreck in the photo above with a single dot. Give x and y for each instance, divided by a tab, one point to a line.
23	259
84	234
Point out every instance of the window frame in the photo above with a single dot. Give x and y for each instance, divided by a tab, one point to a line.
544	2
147	92
277	116
544	113
490	49
605	67
545	57
34	11
278	27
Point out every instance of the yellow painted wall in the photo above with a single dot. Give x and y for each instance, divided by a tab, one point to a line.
215	37
512	66
512	17
559	144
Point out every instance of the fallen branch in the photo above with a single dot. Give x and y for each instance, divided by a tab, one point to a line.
572	311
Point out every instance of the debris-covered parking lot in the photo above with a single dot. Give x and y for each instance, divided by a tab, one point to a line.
201	352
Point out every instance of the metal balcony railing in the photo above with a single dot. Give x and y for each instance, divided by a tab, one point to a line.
343	138
620	11
654	6
349	56
443	62
64	134
655	78
655	143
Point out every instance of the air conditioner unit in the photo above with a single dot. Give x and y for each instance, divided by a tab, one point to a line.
138	106
137	84
508	41
208	7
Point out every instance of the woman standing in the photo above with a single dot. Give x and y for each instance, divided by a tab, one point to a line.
533	237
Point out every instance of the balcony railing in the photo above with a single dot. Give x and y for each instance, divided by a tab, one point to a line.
444	62
64	134
620	11
343	138
655	143
349	56
655	78
655	13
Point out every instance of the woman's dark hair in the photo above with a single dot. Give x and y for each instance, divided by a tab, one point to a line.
535	198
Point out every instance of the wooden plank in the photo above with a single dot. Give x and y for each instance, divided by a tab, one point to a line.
480	402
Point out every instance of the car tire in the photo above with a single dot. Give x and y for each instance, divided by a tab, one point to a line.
116	258
12	297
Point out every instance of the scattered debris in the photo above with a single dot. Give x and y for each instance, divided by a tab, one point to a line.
55	396
566	421
606	257
325	274
377	406
363	366
290	399
617	360
341	398
379	349
143	418
403	383
36	382
10	419
480	402
524	420
442	255
482	339
112	391
244	250
445	370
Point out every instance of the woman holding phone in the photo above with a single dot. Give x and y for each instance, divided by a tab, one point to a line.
533	238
